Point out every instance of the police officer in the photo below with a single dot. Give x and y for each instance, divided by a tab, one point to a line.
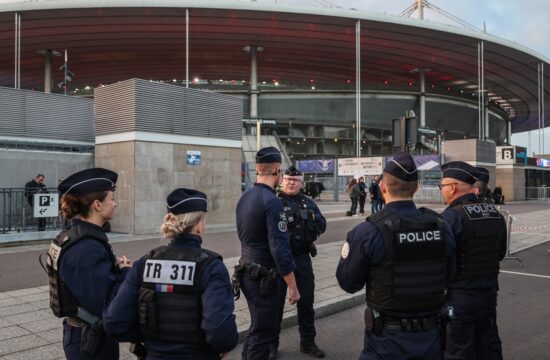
481	186
177	298
266	257
404	257
305	224
84	274
480	233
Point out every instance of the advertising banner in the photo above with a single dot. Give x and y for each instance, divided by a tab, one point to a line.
316	166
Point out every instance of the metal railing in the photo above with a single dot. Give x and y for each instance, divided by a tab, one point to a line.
16	213
428	194
508	217
541	193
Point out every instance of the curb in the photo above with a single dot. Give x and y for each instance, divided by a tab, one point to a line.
322	309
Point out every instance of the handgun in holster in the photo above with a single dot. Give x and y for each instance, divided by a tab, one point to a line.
139	350
236	281
374	321
92	332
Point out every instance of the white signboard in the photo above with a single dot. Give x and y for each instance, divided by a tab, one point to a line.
46	205
505	154
360	166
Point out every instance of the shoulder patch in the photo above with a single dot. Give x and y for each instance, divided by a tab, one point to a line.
345	250
282	226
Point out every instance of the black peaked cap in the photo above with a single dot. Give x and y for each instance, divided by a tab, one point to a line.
402	166
460	170
182	200
88	181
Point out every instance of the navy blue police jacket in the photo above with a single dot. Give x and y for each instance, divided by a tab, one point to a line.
366	248
456	222
262	229
294	204
121	319
87	270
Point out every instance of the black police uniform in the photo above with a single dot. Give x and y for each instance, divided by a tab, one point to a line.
177	299
480	233
262	230
305	224
404	257
84	274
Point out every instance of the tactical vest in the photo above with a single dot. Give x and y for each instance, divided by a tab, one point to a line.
478	249
412	276
62	301
302	228
170	307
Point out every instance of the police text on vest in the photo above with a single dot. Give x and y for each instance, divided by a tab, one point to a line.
411	237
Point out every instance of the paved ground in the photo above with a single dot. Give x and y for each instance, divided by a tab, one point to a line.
28	330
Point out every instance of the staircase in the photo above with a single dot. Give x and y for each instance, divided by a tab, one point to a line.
249	153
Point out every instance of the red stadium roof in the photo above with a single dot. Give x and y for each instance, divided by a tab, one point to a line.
116	40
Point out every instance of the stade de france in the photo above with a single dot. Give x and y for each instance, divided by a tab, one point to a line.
181	93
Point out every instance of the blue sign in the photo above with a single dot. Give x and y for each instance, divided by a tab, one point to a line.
193	158
316	166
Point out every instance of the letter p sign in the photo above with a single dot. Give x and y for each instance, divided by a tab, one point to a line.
44	200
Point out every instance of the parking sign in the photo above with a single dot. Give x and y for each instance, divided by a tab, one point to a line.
46	205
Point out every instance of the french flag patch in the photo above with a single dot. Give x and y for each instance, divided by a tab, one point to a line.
164	288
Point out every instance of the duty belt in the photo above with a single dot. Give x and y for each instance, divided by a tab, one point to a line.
411	324
255	271
76	322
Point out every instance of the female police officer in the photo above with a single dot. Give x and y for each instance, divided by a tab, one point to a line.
82	269
177	298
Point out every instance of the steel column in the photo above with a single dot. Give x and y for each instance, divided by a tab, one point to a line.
358	88
186	48
17	80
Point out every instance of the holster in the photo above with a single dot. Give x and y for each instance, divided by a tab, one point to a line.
236	281
374	321
92	334
268	277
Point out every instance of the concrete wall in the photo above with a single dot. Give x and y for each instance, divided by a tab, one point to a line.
21	166
512	181
149	171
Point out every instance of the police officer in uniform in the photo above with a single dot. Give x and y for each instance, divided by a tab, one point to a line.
266	258
84	274
480	233
481	186
305	224
177	298
404	257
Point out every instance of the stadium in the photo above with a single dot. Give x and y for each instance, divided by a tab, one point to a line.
324	82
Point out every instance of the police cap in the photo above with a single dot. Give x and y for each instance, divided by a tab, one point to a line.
483	175
402	166
292	171
460	170
88	181
182	200
268	155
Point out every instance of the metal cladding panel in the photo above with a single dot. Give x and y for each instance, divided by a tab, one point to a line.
115	108
51	116
177	110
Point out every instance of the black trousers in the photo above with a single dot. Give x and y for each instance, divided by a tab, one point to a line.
362	204
108	348
305	280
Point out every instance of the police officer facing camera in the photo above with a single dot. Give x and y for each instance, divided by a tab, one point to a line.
480	233
404	257
266	258
305	224
177	298
84	274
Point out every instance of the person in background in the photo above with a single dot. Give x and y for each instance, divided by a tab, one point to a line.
363	197
354	195
36	186
374	195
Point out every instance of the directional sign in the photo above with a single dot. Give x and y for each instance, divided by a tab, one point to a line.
360	166
46	205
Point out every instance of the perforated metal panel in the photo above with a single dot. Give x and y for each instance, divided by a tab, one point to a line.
140	105
51	116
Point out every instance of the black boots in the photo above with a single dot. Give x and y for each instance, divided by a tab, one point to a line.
312	349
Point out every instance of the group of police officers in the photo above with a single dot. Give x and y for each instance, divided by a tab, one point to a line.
431	279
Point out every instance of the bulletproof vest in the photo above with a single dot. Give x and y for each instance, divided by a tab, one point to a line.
302	227
478	249
170	307
412	276
62	301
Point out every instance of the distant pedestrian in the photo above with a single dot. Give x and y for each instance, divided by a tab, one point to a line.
363	197
354	195
36	186
374	194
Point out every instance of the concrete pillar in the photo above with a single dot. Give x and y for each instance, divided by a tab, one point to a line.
48	57
422	74
254	50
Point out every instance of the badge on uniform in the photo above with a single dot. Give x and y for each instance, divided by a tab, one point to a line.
169	272
165	288
345	250
282	226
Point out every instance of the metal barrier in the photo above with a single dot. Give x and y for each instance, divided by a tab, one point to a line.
541	193
16	212
508	217
428	194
